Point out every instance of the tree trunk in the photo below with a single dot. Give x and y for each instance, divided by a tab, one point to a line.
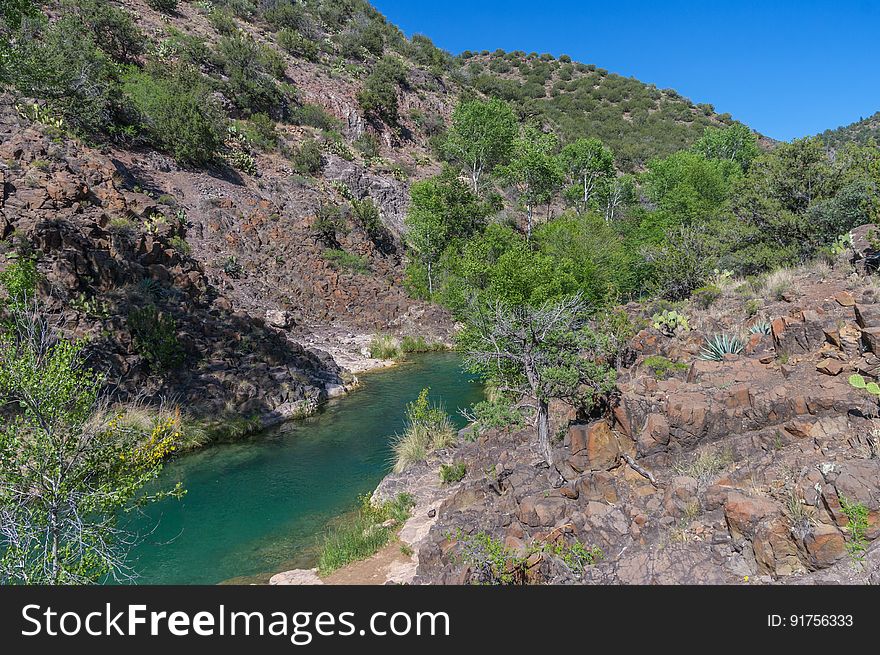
544	430
430	280
529	228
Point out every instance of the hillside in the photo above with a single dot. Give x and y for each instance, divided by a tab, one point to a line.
637	121
859	132
287	189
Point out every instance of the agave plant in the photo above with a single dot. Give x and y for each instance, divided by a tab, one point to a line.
720	345
761	327
858	382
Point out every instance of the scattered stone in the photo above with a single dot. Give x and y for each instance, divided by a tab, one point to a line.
830	366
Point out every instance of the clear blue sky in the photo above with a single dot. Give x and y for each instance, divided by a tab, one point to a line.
786	68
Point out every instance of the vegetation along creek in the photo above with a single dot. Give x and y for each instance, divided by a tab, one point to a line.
256	506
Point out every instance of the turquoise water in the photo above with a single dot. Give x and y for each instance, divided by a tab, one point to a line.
258	506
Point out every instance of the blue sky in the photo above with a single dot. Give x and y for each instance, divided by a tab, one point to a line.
787	69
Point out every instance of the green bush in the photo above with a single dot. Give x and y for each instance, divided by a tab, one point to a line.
428	428
154	336
166	6
368	145
19	280
223	21
113	29
378	97
250	85
705	297
418	344
297	44
176	114
661	366
307	158
314	116
450	473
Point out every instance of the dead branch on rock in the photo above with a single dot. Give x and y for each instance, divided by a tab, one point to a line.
645	473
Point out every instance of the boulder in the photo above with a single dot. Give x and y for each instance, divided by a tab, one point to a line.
593	447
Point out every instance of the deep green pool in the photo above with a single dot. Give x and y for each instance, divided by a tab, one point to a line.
258	506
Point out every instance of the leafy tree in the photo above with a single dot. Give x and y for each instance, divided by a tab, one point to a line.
689	187
441	209
481	137
68	469
586	162
616	193
533	170
735	143
543	353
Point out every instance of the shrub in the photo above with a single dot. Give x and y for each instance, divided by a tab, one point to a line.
368	145
166	6
378	96
307	158
154	336
223	20
19	280
720	345
661	366
176	114
857	524
314	116
329	221
113	30
249	85
349	262
705	297
496	412
366	216
295	43
450	473
384	346
428	428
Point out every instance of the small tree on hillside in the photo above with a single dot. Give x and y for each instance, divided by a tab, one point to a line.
541	353
586	162
481	137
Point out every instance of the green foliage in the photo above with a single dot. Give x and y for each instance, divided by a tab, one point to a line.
19	280
734	143
419	344
720	345
491	561
347	261
361	535
154	336
451	473
428	428
858	382
166	6
705	296
297	44
113	29
661	366
857	525
498	413
378	97
384	346
176	114
68	470
481	137
368	145
314	116
307	158
250	85
682	264
670	322
587	164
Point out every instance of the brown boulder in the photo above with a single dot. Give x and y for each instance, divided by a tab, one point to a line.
594	447
823	546
830	366
744	513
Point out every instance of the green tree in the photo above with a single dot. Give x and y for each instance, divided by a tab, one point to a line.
735	143
533	171
481	137
586	162
441	209
378	97
539	354
67	468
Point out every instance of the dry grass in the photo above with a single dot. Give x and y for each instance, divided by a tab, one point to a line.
705	463
780	282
